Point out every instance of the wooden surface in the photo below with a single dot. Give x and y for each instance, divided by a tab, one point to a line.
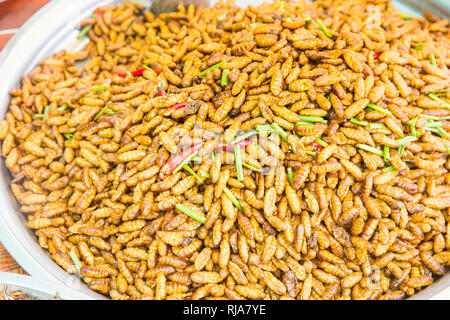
13	13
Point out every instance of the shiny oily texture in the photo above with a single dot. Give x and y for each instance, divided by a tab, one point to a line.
344	193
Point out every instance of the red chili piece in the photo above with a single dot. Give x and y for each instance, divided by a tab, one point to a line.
174	162
318	146
376	55
242	144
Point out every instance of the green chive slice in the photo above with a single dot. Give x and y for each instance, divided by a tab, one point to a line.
192	172
237	157
233	199
76	261
84	31
386	154
370	149
290	175
323	28
312	119
191	213
406	139
224	80
378	108
212	68
387	169
280	130
359	122
321	142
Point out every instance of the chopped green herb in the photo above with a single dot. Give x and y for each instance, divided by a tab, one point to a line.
376	125
68	136
419	46
442	132
192	172
76	261
224	80
104	109
323	28
255	24
386	154
290	175
243	136
370	149
213	155
308	21
406	139
84	31
233	198
404	16
237	159
264	128
212	68
387	169
311	153
191	213
359	122
99	88
321	142
204	175
160	85
448	149
442	91
434	97
312	119
378	108
222	17
412	125
63	107
432	59
280	130
401	149
184	162
249	167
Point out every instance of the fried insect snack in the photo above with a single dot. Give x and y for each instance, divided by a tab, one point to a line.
285	151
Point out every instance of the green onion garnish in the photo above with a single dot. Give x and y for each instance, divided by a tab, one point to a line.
204	174
191	213
323	28
99	88
359	122
237	158
419	46
192	172
434	97
441	131
290	175
321	142
406	139
249	167
233	198
242	137
264	128
104	109
76	261
312	119
448	149
378	108
84	31
386	154
214	67
213	156
311	153
68	136
222	17
184	162
404	16
308	21
43	115
412	125
432	59
224	80
401	149
255	24
442	91
376	125
387	169
63	107
280	130
160	85
370	149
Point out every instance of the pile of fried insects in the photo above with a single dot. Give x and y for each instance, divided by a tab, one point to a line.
285	151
